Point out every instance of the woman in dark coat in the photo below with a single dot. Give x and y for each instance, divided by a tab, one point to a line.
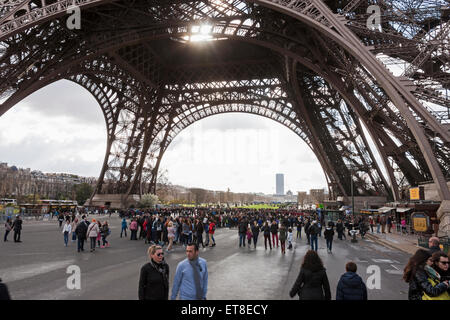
312	282
154	279
416	276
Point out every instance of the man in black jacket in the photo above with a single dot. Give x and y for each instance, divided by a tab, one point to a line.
351	286
17	226
274	231
80	231
242	232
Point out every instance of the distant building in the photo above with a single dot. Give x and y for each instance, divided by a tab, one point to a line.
280	184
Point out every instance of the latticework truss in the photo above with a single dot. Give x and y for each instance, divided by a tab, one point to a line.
374	102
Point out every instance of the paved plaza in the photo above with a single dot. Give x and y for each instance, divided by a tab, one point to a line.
36	268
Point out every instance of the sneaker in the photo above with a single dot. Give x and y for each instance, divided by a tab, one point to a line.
102	247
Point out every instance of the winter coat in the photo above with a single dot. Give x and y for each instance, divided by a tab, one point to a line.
351	287
124	224
171	232
340	227
243	227
81	230
17	225
307	225
274	228
419	285
266	230
314	229
328	233
154	285
311	285
283	234
255	231
92	231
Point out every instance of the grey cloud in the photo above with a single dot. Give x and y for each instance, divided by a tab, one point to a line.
66	98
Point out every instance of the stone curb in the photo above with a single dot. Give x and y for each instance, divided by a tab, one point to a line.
391	245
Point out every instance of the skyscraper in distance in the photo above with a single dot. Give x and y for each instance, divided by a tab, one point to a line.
280	183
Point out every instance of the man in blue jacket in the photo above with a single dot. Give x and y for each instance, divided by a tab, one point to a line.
351	286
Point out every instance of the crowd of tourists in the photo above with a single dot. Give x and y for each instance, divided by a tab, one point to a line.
426	272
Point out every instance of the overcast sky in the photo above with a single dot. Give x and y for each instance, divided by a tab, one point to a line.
61	129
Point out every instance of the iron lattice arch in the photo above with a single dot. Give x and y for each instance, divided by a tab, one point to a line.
312	66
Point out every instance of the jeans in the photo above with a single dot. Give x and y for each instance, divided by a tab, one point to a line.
123	229
133	235
314	242
93	239
329	244
299	233
308	237
267	237
80	244
274	235
104	240
283	246
212	238
66	238
378	228
241	239
6	235
255	239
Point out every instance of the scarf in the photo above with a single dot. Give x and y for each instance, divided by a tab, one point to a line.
162	269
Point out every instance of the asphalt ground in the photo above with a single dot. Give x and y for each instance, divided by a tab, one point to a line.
37	267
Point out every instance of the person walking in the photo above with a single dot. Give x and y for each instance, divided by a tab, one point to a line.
371	223
350	285
191	276
290	237
383	223
329	234
154	277
274	232
66	231
299	228
255	233
74	226
415	275
312	281
266	233
313	232
105	232
242	230
17	226
124	227
99	234
307	227
340	229
199	230
171	235
212	230
8	228
92	233
283	236
81	231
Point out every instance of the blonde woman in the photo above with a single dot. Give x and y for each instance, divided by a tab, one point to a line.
170	235
154	278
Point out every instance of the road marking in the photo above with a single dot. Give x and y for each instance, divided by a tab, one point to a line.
394	271
32	270
395	267
382	261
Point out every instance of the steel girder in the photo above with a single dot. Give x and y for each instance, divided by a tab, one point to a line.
37	50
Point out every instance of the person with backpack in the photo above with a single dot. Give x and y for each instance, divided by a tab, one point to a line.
299	228
199	231
133	229
313	232
92	233
81	231
351	286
